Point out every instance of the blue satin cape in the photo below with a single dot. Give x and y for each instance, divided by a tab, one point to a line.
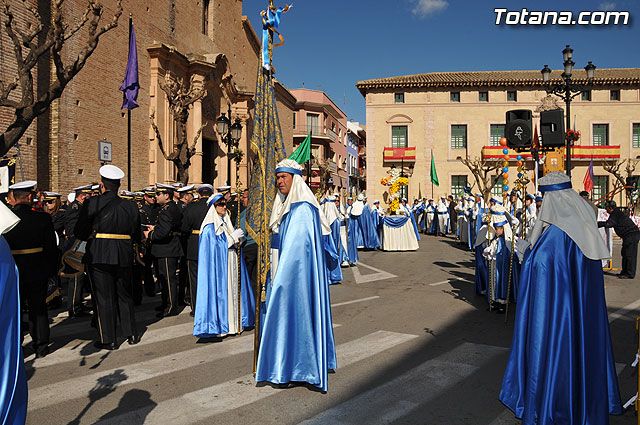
355	229
503	258
13	380
369	228
211	315
561	368
297	342
333	248
482	272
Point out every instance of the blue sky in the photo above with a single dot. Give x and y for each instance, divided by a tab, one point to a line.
330	45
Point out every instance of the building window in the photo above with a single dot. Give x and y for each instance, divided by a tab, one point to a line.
614	95
399	136
313	124
294	120
454	96
586	95
205	16
635	135
404	193
497	133
483	96
512	96
399	97
600	135
600	186
457	185
496	190
459	136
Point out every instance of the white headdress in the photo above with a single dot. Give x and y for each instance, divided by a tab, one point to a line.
299	192
564	208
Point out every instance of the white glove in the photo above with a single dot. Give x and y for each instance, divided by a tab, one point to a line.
515	222
237	234
521	248
486	253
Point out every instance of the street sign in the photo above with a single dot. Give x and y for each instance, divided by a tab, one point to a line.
104	151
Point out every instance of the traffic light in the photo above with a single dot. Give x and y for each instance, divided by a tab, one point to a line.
518	129
552	128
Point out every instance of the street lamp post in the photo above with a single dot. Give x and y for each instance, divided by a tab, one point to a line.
230	135
567	90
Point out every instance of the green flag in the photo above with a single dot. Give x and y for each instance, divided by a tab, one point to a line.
303	152
434	174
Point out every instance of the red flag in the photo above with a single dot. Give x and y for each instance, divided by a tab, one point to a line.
535	136
588	178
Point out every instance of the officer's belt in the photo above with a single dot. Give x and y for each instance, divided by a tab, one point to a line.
111	236
26	251
195	232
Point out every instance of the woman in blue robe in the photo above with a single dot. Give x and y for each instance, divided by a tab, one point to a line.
561	368
296	341
217	314
13	381
333	243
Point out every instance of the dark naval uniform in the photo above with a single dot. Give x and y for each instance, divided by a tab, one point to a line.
167	250
33	245
77	284
110	225
148	216
192	219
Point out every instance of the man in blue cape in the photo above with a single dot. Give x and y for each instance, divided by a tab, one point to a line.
561	368
351	234
296	341
355	224
336	253
369	227
13	381
219	257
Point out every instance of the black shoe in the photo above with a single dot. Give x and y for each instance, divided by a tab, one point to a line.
133	340
162	314
500	310
161	308
78	314
100	346
191	314
624	276
42	352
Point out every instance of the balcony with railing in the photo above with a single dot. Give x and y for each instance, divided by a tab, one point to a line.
317	131
578	152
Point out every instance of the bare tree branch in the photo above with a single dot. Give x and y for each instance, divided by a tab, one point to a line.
192	148
158	135
482	172
28	108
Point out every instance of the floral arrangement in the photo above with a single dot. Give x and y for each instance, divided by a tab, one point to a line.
572	136
394	181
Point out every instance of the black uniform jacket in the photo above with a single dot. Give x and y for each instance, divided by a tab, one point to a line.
110	225
193	216
33	244
164	237
58	224
149	213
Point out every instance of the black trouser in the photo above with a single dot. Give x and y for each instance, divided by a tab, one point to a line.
630	254
167	268
136	280
192	274
183	280
33	294
149	282
250	254
75	292
112	287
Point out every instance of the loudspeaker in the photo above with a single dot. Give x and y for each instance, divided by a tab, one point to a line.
552	128
518	129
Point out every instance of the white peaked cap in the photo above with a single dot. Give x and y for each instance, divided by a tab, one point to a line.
24	186
186	188
360	197
111	172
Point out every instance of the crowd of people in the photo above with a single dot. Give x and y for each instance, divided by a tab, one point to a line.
191	246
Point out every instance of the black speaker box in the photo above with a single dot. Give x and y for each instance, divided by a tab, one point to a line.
552	128
518	129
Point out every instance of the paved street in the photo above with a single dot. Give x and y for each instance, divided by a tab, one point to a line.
414	346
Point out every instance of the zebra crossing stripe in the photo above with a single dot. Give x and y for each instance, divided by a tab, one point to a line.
202	404
74	350
79	387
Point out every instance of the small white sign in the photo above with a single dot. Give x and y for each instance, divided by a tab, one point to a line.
4	179
104	151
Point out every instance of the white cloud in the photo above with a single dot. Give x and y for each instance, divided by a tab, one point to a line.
422	8
607	5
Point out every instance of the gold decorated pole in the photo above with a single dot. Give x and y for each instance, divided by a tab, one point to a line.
237	156
521	183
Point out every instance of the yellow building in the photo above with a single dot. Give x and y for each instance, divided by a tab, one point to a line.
462	114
